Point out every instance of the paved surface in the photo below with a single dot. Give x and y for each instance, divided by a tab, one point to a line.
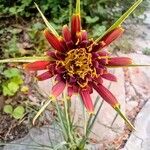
140	139
38	138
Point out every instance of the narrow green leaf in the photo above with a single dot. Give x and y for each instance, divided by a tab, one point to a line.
121	19
124	117
25	59
78	7
60	145
62	120
46	21
40	111
132	65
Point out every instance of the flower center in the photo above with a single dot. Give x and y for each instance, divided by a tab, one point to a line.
78	62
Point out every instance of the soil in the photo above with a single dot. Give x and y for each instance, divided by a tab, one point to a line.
11	129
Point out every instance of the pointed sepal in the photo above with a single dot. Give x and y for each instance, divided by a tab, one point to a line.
117	108
46	21
78	7
121	19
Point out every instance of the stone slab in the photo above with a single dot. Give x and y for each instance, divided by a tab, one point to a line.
140	139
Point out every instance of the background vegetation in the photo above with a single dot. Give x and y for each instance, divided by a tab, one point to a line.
97	14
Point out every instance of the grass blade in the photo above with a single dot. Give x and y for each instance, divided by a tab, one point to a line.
46	21
24	59
40	111
132	65
78	7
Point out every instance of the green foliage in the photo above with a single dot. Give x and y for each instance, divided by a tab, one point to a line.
11	48
16	113
146	51
13	72
36	36
8	109
102	12
12	80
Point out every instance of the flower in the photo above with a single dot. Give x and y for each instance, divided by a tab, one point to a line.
79	63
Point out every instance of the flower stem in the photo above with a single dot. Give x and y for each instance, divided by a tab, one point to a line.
67	114
90	125
62	124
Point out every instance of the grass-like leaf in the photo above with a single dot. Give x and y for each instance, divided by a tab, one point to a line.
24	59
132	65
124	117
78	7
41	110
121	19
46	21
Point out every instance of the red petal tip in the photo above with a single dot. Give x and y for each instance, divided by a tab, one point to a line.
44	76
58	88
54	41
113	35
87	101
120	61
35	66
109	76
106	95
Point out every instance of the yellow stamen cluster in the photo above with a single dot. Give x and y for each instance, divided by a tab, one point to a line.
78	62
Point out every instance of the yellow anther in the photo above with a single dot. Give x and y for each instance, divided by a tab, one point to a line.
84	84
78	62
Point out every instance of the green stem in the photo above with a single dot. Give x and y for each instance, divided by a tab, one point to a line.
46	21
91	116
124	117
121	19
67	114
90	125
62	124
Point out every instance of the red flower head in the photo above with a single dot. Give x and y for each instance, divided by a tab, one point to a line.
81	64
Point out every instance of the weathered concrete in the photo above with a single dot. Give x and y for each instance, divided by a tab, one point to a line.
38	138
140	139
